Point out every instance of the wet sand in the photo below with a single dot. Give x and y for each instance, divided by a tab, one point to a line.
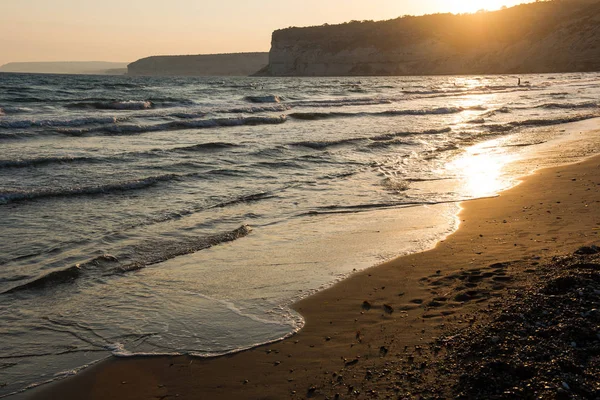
382	319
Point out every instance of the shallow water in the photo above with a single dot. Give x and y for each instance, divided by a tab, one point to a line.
184	215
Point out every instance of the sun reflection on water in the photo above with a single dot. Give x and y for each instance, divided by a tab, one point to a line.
482	169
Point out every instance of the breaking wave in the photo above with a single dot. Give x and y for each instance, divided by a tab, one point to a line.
589	104
264	99
146	253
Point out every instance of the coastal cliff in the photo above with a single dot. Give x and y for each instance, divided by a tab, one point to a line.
236	64
551	36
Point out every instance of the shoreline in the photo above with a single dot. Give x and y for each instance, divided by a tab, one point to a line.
348	325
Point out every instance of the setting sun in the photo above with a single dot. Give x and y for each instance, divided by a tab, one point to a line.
469	6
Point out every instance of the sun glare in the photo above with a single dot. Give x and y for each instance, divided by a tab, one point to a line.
470	6
482	169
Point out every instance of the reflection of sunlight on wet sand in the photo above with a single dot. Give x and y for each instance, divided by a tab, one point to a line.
482	169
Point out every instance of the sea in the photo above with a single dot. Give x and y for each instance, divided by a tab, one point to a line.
185	215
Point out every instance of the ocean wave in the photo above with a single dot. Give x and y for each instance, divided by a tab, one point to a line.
25	99
152	252
130	129
500	128
395	185
342	102
434	111
237	110
256	109
467	90
40	161
53	278
245	199
113	105
426	111
53	123
589	104
18	196
211	146
321	145
548	106
12	135
44	161
114	85
554	121
390	136
357	208
145	254
5	110
376	141
389	143
264	99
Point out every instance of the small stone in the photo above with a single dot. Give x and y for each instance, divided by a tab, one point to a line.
351	362
566	386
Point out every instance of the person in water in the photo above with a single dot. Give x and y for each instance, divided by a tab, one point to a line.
519	83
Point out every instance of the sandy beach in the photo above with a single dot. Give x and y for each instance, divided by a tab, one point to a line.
387	317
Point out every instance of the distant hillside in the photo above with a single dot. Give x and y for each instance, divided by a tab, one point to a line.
67	67
236	64
550	36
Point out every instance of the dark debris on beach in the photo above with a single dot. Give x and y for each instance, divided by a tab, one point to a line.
543	342
539	340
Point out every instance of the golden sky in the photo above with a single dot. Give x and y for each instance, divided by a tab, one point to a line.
125	30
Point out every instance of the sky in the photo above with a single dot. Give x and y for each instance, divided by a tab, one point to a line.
126	30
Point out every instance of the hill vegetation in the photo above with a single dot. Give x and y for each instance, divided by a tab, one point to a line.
235	64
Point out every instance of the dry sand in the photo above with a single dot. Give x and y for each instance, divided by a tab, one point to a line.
383	318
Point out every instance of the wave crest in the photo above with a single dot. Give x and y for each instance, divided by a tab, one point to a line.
113	105
13	197
264	99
